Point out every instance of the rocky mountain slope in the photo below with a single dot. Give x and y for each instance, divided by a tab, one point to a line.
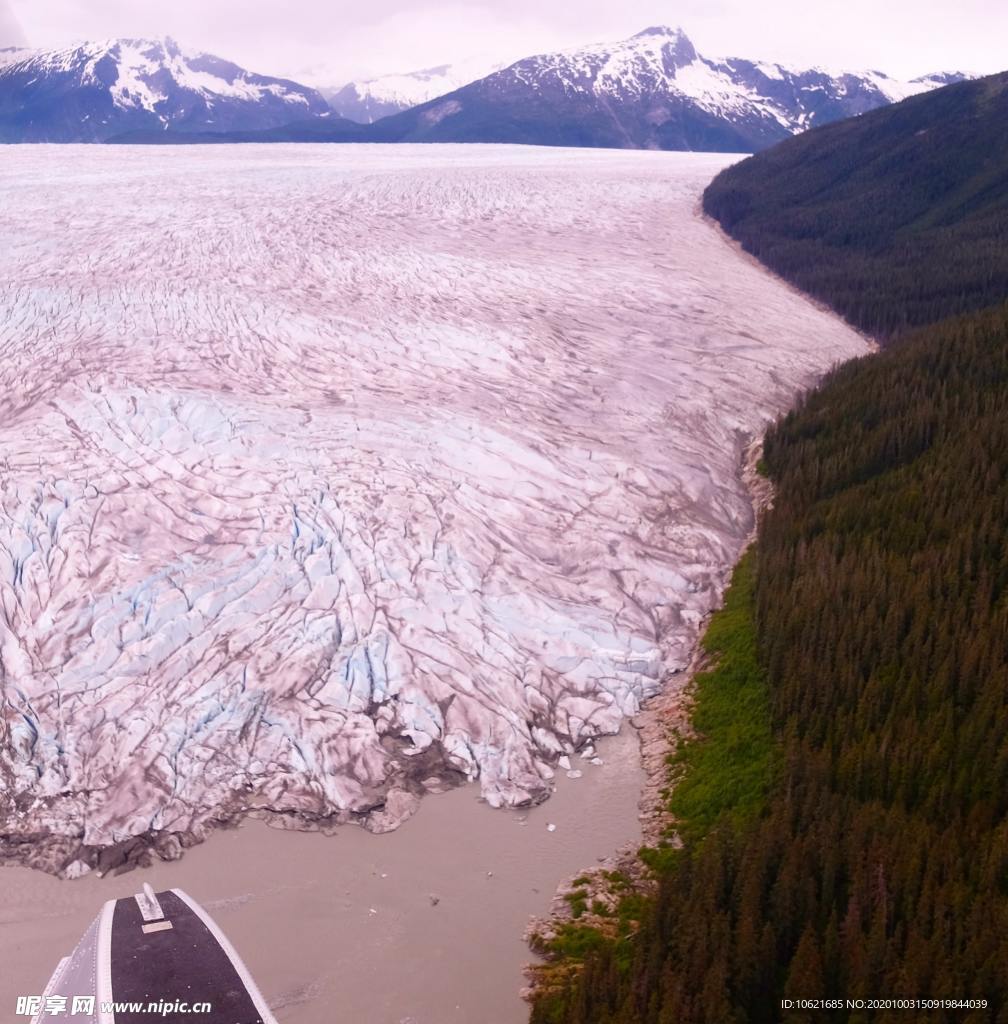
90	92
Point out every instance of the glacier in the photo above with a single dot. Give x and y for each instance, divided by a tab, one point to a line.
333	476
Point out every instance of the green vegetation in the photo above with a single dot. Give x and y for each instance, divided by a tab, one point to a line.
578	902
877	863
725	771
577	941
722	775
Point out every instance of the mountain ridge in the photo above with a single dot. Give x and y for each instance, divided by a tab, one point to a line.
650	91
91	91
830	210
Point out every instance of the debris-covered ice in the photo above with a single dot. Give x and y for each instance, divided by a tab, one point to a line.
331	475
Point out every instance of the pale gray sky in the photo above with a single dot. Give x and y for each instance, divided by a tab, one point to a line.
361	38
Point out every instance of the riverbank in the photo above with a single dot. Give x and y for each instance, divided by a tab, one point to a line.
706	752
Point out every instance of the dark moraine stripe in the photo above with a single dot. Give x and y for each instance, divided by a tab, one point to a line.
183	963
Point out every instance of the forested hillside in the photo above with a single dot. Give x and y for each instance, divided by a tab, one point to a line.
877	863
895	219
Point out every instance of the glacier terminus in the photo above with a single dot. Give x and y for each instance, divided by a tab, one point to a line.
334	476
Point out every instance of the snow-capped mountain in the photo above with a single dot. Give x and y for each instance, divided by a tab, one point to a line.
650	91
90	92
13	54
374	98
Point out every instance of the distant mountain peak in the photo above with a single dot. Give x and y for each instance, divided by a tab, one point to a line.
671	41
93	90
368	100
660	30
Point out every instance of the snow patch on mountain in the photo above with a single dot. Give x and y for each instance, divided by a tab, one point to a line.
896	90
132	88
715	92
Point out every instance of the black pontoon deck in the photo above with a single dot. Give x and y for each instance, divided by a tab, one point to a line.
155	956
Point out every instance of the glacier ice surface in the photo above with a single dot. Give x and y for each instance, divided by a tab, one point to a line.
328	474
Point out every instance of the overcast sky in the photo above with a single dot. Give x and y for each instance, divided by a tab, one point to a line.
360	38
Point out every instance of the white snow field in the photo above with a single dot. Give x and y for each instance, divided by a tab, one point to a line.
331	475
